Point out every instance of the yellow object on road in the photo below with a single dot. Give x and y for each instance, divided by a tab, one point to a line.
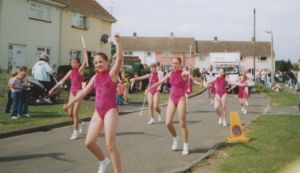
237	133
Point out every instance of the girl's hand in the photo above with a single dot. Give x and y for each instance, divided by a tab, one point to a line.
146	91
132	80
66	107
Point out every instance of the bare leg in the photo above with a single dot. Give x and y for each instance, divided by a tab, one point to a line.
111	123
156	102
181	108
171	108
150	105
76	119
217	103
223	106
94	130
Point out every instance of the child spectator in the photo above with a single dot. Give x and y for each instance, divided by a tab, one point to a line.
14	73
121	95
16	92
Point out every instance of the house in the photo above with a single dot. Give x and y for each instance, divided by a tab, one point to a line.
83	18
28	27
159	49
245	48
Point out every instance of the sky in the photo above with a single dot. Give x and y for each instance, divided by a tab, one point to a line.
229	20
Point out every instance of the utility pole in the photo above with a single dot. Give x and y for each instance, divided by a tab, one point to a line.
254	40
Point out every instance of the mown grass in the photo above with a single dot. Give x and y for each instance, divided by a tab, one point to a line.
275	143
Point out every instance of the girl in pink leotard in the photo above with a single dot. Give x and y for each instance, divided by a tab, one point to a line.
177	79
106	112
220	97
242	93
76	77
153	95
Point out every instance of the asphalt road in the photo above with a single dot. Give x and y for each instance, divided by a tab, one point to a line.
143	148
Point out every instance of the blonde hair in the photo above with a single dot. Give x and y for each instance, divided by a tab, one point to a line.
14	73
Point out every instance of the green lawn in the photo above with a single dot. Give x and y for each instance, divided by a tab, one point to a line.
48	114
275	144
283	98
274	141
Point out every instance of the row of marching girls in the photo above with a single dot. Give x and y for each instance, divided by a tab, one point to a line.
218	92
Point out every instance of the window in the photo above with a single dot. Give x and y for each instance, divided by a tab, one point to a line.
187	54
79	21
242	58
128	53
262	58
148	54
167	54
75	53
43	49
39	11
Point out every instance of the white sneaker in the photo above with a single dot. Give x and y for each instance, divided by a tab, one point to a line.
245	111
103	165
159	118
82	127
246	103
14	117
185	150
27	116
212	102
151	121
75	135
224	123
220	121
175	143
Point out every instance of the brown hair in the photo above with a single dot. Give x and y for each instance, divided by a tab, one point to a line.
102	55
14	73
178	59
23	68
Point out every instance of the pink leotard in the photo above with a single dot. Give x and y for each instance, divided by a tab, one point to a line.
189	86
153	78
105	89
220	86
76	81
178	85
242	90
212	88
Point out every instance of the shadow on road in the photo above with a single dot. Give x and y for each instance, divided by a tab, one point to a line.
55	156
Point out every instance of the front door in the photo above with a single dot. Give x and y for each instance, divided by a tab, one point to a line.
17	56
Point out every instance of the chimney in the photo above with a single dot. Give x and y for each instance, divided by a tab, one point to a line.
172	34
134	34
215	38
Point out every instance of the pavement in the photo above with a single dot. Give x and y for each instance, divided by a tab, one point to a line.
143	148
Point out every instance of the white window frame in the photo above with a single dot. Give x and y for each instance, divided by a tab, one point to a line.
41	49
242	58
79	21
259	58
75	53
39	11
167	54
128	53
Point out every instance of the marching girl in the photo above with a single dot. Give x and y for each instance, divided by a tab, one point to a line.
76	77
153	94
243	92
221	95
177	79
189	84
106	111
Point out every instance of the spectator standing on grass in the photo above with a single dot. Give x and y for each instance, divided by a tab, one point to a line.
16	93
25	96
14	73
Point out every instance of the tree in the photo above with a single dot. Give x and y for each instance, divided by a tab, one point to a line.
283	65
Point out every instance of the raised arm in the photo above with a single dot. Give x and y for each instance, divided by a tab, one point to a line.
84	63
81	93
60	83
115	70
